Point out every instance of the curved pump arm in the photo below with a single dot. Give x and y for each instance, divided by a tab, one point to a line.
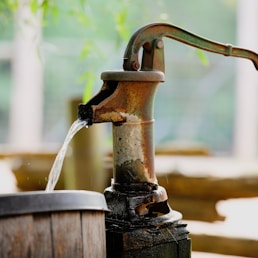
150	38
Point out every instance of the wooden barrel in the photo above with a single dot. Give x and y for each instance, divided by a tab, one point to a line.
65	224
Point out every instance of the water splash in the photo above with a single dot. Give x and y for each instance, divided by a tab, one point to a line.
58	163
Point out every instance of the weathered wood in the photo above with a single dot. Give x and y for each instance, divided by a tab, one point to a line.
58	235
209	188
52	225
66	234
93	234
42	240
196	209
225	245
16	236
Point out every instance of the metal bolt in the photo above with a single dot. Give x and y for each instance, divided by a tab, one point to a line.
159	44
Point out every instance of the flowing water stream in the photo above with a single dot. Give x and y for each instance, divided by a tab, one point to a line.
58	163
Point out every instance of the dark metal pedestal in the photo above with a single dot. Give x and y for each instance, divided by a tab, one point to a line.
168	240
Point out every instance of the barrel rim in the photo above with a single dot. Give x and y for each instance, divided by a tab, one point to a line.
52	201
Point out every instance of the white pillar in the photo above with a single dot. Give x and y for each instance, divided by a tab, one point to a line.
246	122
26	99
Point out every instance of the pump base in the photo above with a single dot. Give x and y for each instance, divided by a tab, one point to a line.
161	240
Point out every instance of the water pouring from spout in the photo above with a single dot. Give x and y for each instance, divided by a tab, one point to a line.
58	163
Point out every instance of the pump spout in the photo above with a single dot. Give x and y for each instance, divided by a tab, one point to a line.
101	107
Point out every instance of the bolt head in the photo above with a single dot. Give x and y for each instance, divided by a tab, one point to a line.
160	44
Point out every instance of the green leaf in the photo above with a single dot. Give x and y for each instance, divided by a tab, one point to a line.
80	16
34	6
54	12
89	78
202	57
48	7
88	47
12	4
88	88
121	25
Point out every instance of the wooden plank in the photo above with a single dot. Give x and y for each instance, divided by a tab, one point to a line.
225	245
196	209
16	236
93	231
42	242
66	234
209	188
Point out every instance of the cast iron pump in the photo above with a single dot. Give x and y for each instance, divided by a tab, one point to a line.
141	221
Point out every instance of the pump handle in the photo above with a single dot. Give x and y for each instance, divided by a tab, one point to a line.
150	38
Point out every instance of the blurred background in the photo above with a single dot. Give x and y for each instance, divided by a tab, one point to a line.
206	123
77	40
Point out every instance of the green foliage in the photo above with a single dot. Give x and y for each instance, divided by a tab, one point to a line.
8	6
122	27
45	7
202	57
89	78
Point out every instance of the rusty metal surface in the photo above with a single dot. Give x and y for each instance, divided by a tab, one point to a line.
126	100
150	38
130	108
132	104
130	76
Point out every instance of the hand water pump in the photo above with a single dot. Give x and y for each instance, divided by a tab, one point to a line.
141	221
